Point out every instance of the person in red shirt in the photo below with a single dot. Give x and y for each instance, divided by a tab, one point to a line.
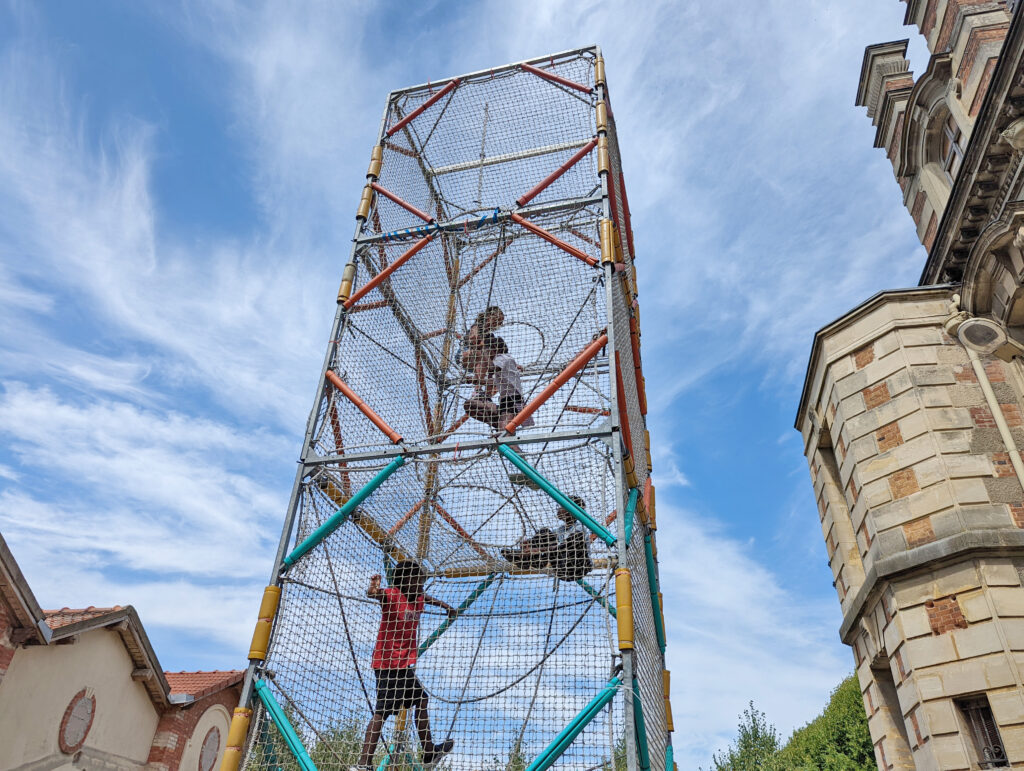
394	658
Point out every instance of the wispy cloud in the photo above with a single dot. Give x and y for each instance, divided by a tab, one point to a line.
155	382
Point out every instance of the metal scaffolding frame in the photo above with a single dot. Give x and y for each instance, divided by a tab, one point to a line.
441	232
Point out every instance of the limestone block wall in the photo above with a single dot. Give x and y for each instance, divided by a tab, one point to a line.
922	516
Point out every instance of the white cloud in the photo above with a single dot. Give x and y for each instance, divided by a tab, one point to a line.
754	221
736	635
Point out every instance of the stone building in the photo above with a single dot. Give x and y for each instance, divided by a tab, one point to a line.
82	689
912	412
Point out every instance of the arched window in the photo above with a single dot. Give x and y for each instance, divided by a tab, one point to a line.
951	148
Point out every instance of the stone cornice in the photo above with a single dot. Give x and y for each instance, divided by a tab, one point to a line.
955	548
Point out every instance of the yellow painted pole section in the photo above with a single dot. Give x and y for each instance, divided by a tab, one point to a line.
624	608
647	446
376	157
666	678
261	635
348	277
604	163
236	739
607	241
364	204
602	116
599	71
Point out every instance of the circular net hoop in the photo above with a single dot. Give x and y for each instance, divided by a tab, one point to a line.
535	638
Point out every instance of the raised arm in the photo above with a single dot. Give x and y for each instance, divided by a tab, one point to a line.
374	591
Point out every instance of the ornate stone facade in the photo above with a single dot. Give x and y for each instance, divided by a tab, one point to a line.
912	413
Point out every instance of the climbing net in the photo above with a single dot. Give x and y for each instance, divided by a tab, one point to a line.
523	491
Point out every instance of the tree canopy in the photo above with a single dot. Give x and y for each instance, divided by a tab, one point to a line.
836	740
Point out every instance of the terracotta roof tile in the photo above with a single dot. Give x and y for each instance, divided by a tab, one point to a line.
199	684
55	619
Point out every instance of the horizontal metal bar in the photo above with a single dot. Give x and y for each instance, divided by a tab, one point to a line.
494	70
598	432
458	226
533	152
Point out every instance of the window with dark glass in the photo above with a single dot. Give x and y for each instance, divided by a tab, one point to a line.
952	153
981	726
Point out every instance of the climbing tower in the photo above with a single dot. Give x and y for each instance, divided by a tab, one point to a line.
499	188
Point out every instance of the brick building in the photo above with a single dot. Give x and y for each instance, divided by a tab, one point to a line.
912	412
82	689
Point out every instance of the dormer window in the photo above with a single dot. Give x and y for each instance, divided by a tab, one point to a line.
952	148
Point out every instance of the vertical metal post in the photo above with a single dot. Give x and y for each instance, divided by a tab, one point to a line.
616	423
293	501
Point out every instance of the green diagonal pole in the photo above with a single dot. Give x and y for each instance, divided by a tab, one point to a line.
597	596
640	728
559	497
571	731
473	597
670	758
281	721
634	495
337	519
652	583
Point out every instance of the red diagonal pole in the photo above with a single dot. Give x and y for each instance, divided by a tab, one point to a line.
550	178
552	239
363	407
404	204
439	95
581	360
376	280
555	78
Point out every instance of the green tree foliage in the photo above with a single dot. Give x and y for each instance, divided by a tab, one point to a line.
836	740
757	744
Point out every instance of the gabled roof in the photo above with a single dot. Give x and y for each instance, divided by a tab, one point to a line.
200	684
15	594
68	616
35	625
68	622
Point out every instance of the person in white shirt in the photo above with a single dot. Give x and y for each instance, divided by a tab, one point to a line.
502	377
564	550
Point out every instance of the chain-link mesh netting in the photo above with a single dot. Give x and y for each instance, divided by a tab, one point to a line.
513	628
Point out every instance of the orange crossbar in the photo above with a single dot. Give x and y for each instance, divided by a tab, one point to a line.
556	78
373	282
620	394
552	239
404	204
586	410
461	531
363	407
405	518
575	366
550	178
439	95
368	306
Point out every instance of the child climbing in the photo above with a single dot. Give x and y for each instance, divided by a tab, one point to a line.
394	659
565	550
480	335
498	373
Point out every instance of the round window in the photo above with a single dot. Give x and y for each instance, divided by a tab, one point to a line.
208	753
77	721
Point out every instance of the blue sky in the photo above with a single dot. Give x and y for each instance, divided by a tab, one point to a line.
177	188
